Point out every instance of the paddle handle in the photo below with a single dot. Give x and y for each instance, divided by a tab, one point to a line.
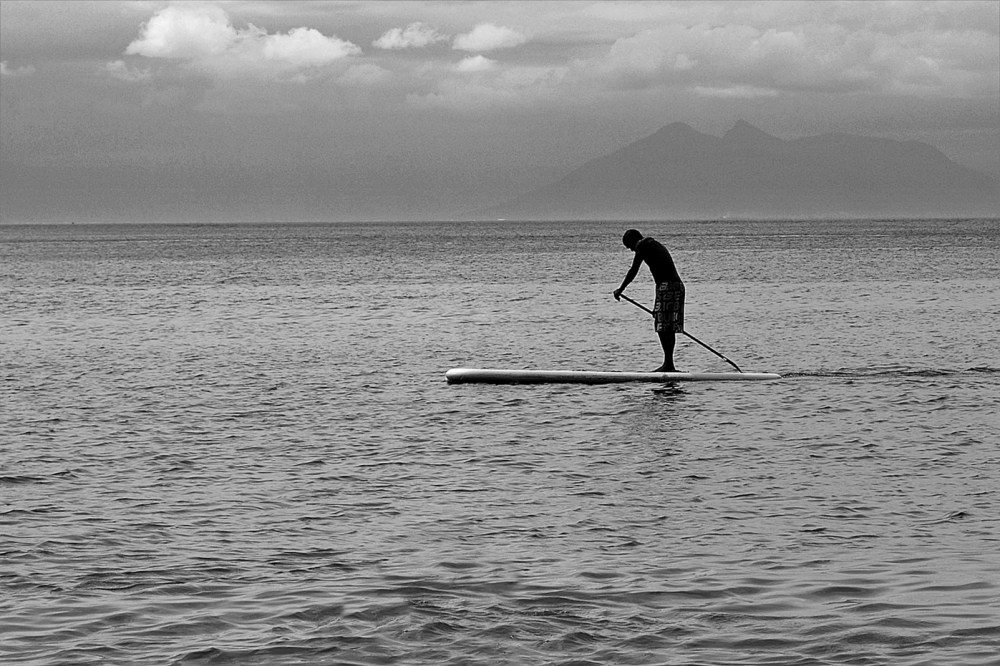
636	303
685	333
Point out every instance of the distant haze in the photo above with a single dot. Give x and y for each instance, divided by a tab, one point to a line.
681	173
311	111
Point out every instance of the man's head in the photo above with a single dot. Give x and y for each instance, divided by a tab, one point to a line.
631	239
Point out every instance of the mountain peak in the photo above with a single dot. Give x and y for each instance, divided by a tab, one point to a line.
678	129
743	132
678	172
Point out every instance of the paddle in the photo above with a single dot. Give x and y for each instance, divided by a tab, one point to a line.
685	333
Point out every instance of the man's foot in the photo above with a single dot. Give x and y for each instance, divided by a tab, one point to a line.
666	368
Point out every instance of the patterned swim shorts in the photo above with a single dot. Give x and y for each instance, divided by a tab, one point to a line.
668	311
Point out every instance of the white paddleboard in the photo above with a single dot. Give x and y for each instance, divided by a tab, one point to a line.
486	376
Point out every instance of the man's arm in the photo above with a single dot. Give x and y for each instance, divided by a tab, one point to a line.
632	272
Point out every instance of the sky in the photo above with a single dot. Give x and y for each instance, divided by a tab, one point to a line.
313	111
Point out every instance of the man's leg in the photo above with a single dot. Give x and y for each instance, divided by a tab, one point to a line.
667	341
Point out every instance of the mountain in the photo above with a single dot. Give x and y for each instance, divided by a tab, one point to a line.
679	172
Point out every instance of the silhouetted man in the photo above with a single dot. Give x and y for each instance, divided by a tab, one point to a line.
668	312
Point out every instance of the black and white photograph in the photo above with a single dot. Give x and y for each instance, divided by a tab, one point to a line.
486	333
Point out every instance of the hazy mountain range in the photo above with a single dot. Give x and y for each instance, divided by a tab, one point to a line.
679	172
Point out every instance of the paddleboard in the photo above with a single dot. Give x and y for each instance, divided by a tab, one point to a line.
486	376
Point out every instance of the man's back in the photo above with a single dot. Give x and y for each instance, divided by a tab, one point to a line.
658	258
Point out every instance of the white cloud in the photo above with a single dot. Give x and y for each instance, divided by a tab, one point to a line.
734	92
12	72
515	87
185	31
476	63
203	37
306	47
122	71
364	75
489	37
769	48
415	35
683	63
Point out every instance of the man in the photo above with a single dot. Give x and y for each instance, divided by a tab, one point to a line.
668	312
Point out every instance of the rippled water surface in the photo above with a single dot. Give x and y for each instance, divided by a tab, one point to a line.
235	445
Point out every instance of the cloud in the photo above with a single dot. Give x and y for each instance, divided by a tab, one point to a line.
416	35
488	37
476	63
14	72
734	92
496	88
365	75
203	38
306	47
185	31
122	71
742	59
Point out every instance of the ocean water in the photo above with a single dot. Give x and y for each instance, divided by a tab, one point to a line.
235	445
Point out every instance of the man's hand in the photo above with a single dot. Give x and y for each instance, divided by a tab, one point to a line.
618	294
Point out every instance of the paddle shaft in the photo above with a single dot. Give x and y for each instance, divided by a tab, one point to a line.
685	333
